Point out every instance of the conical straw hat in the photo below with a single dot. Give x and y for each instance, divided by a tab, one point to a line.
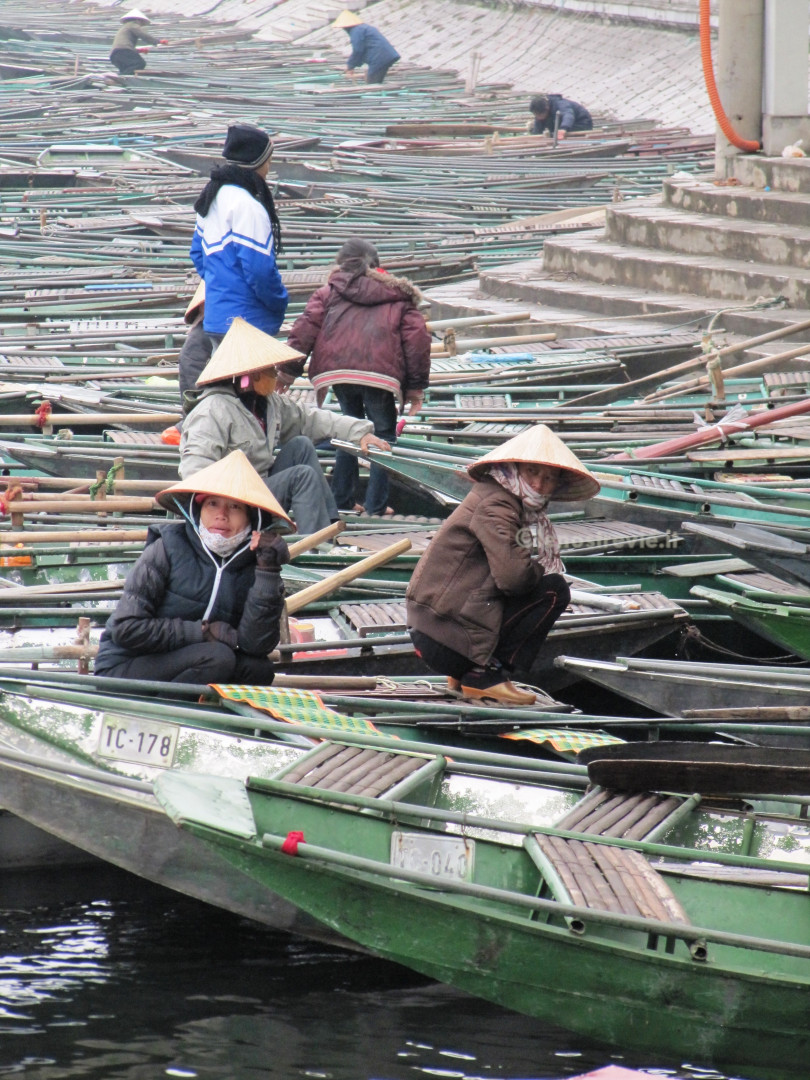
233	478
347	18
245	349
135	14
540	446
195	303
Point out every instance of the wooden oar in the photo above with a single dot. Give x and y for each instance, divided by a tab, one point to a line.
341	577
306	543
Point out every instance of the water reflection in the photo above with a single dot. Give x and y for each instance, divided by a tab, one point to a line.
103	977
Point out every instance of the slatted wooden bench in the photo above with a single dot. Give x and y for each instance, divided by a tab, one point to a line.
362	770
371	618
602	877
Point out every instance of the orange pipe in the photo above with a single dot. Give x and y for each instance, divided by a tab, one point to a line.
750	145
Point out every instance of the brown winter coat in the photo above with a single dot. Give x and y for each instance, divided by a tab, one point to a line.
364	330
474	562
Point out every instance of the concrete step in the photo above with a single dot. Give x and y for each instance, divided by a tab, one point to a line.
552	309
647	223
778	174
736	202
592	258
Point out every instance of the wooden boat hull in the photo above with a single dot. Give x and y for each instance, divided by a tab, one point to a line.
604	978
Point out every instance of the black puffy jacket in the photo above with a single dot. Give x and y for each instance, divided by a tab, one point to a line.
168	591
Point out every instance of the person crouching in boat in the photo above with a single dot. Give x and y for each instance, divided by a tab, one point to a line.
490	585
236	405
204	601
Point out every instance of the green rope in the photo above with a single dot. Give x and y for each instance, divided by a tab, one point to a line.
108	482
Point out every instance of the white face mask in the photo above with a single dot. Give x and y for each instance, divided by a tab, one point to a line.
223	545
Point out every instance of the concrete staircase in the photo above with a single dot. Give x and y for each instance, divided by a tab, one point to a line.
674	260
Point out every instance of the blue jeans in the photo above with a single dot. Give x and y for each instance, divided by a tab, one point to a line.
379	406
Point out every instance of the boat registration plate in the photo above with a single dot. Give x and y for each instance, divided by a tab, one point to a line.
130	738
446	858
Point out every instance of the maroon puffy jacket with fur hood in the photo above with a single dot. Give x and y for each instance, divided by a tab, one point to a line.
365	330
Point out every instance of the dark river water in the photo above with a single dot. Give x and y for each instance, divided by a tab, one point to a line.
105	976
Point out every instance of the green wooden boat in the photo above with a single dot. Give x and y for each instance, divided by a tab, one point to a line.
785	622
703	956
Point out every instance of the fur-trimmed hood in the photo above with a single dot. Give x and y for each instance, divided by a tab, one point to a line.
375	287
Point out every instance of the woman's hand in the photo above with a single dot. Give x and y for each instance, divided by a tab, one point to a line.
220	631
413	401
271	550
372	440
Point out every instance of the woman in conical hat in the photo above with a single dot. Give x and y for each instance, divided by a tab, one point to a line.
490	586
236	406
203	603
125	56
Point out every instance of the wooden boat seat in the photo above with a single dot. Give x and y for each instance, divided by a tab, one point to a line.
371	618
611	813
129	438
609	878
361	770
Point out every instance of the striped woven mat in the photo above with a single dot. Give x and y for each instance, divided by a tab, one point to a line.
564	740
296	707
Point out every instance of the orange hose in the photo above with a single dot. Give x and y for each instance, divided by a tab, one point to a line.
714	97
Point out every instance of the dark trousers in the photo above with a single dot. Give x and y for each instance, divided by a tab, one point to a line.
378	406
208	662
128	61
297	481
197	350
377	74
525	626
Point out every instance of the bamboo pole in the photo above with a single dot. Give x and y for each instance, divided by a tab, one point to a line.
63	589
81	536
13	420
750	368
477	320
325	682
464	344
71	536
612	393
68	483
335	581
83	504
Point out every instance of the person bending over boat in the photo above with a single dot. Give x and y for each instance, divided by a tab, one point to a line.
125	55
236	406
365	337
203	603
237	238
545	108
480	603
369	46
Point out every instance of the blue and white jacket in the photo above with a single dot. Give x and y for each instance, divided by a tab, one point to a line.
233	252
